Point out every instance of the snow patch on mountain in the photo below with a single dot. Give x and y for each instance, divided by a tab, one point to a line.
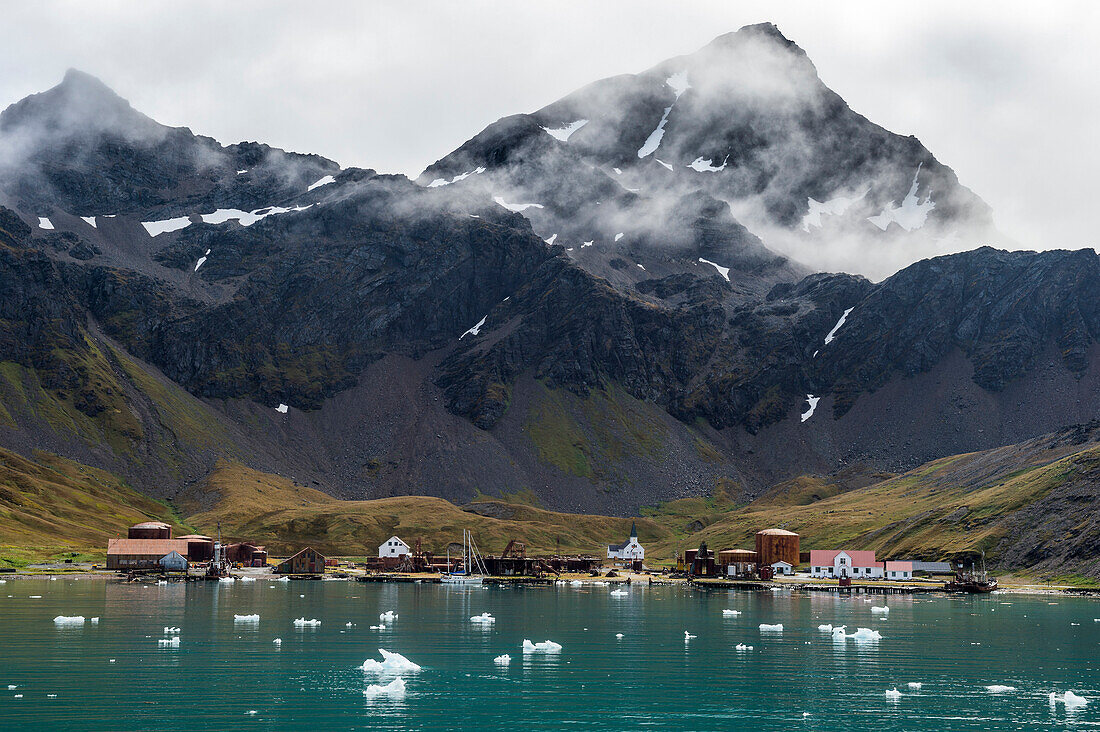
706	165
833	207
516	207
912	213
563	133
44	223
165	226
812	401
724	271
461	176
322	182
832	333
90	221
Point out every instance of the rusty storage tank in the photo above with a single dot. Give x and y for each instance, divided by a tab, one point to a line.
150	530
776	545
199	548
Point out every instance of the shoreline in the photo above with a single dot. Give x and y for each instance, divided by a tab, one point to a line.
705	584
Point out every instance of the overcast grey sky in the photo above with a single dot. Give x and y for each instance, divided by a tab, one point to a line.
1007	93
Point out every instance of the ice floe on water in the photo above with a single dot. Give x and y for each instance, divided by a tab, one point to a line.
893	693
912	213
999	689
727	613
392	664
881	609
476	329
228	580
812	401
461	176
516	207
388	617
173	642
771	627
1069	699
619	593
915	685
246	618
69	620
171	630
826	627
564	132
483	619
303	623
502	660
724	271
742	647
165	226
619	636
94	621
246	579
546	646
576	583
44	223
862	635
831	335
321	182
688	636
394	690
277	642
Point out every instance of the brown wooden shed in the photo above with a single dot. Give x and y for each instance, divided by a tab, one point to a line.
307	561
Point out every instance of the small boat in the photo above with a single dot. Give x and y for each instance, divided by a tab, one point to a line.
974	581
472	571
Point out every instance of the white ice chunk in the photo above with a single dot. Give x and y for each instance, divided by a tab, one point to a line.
246	618
90	221
727	613
44	223
173	642
826	628
619	636
165	226
619	593
394	690
69	620
474	330
303	623
546	646
743	647
502	660
832	333
881	609
563	133
999	689
1071	700
688	636
321	182
246	579
277	642
915	685
94	621
707	165
812	401
484	618
893	693
392	664
576	583
282	409
388	617
865	635
171	630
912	213
724	271
769	628
516	207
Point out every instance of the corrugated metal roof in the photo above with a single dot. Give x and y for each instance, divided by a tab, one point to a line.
825	557
151	525
776	532
150	547
899	566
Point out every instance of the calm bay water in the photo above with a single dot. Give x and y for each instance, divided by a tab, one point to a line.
649	679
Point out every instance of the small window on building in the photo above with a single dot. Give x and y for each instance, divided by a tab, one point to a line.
843	560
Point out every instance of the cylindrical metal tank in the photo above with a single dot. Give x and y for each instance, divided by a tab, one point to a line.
776	545
150	530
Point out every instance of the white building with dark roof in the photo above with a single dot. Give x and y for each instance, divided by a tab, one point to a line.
630	550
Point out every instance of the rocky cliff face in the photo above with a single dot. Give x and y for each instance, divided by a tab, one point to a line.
168	300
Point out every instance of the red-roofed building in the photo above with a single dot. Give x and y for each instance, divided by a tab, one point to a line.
836	563
129	554
899	570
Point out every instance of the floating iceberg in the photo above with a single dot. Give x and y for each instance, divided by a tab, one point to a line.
377	627
246	618
69	620
546	646
227	579
502	660
173	642
389	616
619	593
768	628
247	579
688	636
1071	700
893	694
303	623
727	613
882	610
171	630
999	688
865	635
619	635
742	647
915	685
392	664
277	642
94	621
827	628
484	618
395	689
576	583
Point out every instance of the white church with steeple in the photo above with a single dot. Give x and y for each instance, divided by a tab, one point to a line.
630	550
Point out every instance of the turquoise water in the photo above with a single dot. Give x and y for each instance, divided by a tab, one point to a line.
649	679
